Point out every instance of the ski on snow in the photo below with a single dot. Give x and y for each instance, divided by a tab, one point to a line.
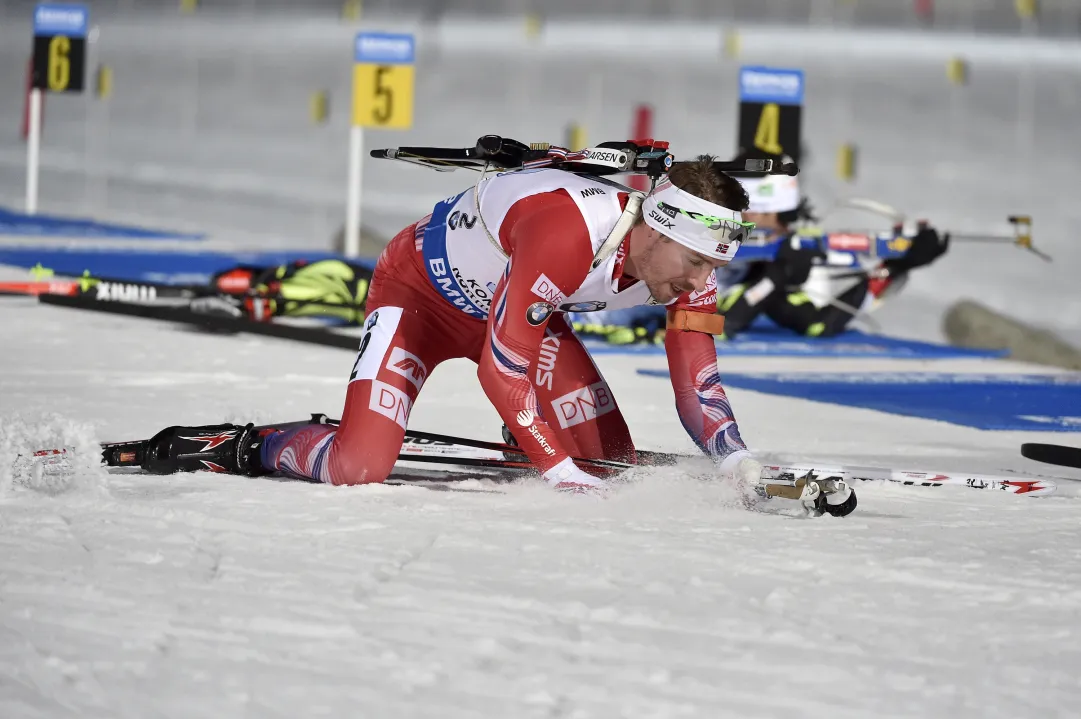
1013	485
790	481
428	447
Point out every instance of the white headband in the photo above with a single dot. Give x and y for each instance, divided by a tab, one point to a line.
706	228
774	193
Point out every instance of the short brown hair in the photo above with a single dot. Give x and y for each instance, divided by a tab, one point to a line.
701	179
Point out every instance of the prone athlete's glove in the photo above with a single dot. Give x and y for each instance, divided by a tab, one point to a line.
927	246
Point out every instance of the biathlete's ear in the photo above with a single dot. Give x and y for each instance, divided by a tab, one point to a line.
684	321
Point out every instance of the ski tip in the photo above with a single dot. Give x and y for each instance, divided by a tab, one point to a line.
49	452
1032	488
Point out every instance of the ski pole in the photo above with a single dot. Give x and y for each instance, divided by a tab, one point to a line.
650	458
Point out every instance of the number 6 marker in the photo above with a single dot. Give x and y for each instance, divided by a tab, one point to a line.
59	65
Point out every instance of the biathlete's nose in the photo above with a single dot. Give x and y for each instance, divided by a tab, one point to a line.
700	279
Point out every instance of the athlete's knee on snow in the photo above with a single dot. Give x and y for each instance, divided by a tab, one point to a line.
360	465
367	443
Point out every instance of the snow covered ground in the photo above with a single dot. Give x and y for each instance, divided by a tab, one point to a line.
201	595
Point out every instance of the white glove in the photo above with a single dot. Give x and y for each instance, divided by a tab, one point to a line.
742	467
566	477
745	473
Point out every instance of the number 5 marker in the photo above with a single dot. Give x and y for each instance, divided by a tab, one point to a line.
383	77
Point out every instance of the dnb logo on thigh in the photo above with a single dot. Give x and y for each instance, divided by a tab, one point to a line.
390	402
583	405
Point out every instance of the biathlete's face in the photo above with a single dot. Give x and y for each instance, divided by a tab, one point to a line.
668	268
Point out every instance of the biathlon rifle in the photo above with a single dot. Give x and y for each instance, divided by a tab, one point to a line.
1021	236
643	157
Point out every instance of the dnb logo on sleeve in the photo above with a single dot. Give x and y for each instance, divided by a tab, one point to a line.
547	290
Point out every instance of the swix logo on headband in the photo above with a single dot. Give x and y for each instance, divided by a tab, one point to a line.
667	224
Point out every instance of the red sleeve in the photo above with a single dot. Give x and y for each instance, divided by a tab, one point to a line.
701	401
550	256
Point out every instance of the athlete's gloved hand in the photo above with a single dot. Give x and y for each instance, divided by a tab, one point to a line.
566	477
742	468
927	246
743	472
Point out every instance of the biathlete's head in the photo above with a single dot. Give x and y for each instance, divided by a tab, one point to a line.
690	225
774	201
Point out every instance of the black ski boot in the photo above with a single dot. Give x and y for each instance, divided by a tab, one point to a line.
508	438
229	448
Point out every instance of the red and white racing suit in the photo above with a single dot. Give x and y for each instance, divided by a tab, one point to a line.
489	285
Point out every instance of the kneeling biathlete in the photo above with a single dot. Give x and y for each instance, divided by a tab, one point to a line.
488	276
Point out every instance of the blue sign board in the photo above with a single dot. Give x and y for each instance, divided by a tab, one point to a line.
767	84
384	48
68	19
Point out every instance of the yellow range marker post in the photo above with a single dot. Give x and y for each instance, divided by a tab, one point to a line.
383	85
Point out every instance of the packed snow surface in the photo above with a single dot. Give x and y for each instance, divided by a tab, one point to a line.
197	595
